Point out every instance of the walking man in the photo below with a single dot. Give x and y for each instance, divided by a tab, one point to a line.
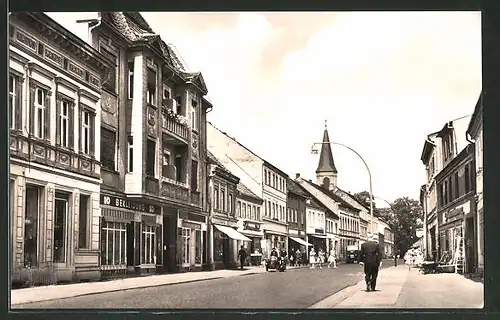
371	258
242	254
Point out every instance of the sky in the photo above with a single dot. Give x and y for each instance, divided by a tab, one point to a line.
382	80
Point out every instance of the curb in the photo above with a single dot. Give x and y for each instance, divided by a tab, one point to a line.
345	293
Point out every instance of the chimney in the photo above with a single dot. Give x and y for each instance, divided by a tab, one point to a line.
310	181
297	175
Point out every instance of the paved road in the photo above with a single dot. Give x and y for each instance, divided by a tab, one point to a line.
299	288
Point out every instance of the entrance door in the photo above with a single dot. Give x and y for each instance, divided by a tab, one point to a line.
225	252
470	245
60	229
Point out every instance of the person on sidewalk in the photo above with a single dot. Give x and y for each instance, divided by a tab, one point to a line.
331	259
371	259
321	258
242	254
298	257
312	258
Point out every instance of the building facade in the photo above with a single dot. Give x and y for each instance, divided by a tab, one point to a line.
387	237
153	147
224	215
316	224
55	82
249	214
475	132
296	217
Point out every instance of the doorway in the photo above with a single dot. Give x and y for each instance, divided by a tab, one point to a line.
225	252
470	245
60	228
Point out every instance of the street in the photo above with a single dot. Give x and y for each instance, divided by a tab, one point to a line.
294	289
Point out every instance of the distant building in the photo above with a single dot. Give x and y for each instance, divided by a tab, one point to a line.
296	217
475	131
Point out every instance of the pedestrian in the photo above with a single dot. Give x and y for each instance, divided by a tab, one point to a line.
371	259
312	258
242	254
332	259
298	257
321	258
292	257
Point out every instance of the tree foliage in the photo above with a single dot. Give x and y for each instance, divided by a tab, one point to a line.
404	217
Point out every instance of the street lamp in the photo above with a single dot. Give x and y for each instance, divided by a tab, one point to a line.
210	227
314	150
393	233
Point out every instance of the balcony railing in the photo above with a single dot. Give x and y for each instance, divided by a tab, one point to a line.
175	128
174	190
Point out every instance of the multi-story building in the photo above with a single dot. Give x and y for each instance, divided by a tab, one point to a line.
386	238
456	210
249	214
315	224
224	217
262	178
55	82
475	131
153	151
296	217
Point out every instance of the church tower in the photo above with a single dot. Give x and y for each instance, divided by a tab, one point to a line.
326	174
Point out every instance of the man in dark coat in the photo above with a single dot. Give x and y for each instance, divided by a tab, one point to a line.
371	258
242	254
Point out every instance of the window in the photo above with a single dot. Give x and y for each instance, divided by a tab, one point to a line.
166	92
467	179
230	204
223	200
268	178
265	176
450	190
113	244
216	198
87	134
457	190
31	213
111	83
179	165
60	223
108	146
254	213
15	90
185	245
131	80
244	211
258	213
64	124
179	110
151	88
148	245
238	209
83	221
198	247
250	212
130	154
40	116
194	175
150	158
193	115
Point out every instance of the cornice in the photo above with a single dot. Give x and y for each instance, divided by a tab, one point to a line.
18	58
67	84
88	95
33	66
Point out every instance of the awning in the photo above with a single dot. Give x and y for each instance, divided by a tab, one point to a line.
300	241
318	236
231	233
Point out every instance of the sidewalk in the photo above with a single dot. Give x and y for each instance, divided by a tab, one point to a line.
53	292
399	287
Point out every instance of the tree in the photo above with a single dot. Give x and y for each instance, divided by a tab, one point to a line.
363	197
405	219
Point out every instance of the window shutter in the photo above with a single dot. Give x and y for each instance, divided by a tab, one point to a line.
58	120
92	133
71	136
47	116
32	109
18	111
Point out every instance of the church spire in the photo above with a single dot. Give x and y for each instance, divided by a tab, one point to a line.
326	163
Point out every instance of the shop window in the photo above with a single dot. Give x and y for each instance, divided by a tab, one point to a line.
108	148
31	214
184	237
83	221
60	227
113	244
199	247
148	245
218	246
150	158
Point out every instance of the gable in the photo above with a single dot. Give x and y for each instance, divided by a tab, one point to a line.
200	82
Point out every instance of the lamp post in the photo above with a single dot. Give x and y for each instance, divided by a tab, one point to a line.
210	227
394	238
315	151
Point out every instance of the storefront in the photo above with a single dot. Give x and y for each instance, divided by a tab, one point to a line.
332	242
318	241
226	243
131	236
295	243
275	236
191	236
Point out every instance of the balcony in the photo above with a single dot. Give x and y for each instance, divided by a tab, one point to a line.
175	128
174	190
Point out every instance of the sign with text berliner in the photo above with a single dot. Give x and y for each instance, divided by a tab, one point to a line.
129	204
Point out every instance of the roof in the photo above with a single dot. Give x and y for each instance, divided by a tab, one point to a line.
295	188
326	163
247	149
332	195
241	188
355	199
429	144
477	116
212	159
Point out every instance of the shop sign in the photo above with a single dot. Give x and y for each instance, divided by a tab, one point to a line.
454	212
129	204
224	223
252	226
320	231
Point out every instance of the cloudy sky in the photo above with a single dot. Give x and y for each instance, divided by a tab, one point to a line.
382	80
